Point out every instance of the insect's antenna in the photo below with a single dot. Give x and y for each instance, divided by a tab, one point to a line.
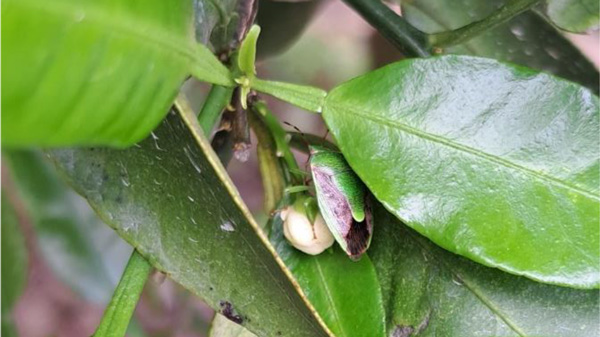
305	142
300	132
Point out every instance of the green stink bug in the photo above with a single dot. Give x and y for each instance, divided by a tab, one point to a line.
343	200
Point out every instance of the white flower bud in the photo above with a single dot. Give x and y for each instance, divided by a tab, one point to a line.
310	238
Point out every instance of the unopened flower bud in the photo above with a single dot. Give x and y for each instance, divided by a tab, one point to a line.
310	238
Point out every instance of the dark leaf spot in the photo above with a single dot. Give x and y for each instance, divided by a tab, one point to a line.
228	311
403	331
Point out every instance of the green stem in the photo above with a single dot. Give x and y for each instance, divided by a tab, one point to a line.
215	102
503	14
281	141
120	309
392	26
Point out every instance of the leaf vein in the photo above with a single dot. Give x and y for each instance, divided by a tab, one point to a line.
467	149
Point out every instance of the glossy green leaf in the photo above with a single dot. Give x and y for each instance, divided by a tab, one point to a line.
117	314
81	251
223	327
431	292
95	72
574	15
526	40
493	162
345	293
170	198
14	264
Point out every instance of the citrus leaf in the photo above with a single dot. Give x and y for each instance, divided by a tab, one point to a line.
96	72
574	15
431	292
493	162
527	39
171	199
345	293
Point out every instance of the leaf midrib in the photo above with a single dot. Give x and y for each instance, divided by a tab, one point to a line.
329	297
475	152
479	294
192	123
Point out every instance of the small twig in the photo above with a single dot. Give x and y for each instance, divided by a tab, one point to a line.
392	26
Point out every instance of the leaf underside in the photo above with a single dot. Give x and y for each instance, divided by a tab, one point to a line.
95	72
166	198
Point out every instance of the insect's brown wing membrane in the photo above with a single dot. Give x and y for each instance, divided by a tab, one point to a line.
357	239
352	235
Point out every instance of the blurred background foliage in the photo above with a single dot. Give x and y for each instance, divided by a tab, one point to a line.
73	261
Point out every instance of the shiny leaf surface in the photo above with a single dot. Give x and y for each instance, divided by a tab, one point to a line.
431	292
493	162
169	197
526	39
574	15
345	293
95	72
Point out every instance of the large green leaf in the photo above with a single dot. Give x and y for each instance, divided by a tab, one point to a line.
170	198
14	264
494	162
95	72
526	40
574	15
431	292
78	247
345	293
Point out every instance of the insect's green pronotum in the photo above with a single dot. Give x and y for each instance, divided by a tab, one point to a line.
343	200
341	195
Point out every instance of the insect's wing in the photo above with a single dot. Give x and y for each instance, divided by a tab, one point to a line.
352	235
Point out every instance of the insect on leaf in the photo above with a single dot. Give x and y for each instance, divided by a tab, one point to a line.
342	198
